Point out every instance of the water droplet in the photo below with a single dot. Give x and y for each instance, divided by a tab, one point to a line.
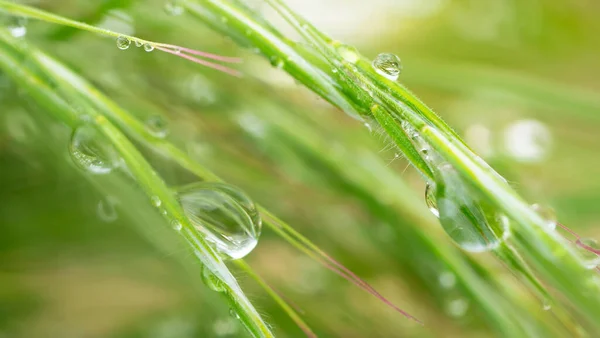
546	305
156	202
138	43
430	200
17	27
234	313
176	225
106	210
148	47
470	220
547	214
225	214
210	280
173	7
277	62
157	126
368	125
91	151
447	280
585	248
388	65
123	42
457	307
348	53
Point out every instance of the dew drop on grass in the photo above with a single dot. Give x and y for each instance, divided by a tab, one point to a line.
224	214
176	225
91	151
590	259
277	62
138	43
148	47
211	280
157	126
123	42
234	314
546	305
18	27
156	202
547	214
173	7
348	53
388	65
106	209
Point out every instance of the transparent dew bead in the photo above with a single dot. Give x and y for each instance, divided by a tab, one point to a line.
138	43
589	251
173	7
106	209
157	126
348	53
388	65
210	280
91	151
123	42
148	47
546	306
430	199
224	214
175	224
234	314
547	214
156	202
277	62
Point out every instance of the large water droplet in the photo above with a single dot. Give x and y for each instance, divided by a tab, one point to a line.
157	126
211	280
471	221
348	53
547	214
225	214
106	209
585	249
173	7
91	151
388	65
123	42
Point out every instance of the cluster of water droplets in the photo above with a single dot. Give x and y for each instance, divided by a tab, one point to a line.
225	215
466	216
124	43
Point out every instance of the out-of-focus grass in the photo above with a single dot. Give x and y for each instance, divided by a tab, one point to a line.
67	272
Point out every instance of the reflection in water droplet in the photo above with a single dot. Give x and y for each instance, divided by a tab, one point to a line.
527	140
348	53
388	65
123	42
91	151
211	280
157	126
547	214
225	214
173	7
590	259
106	209
148	47
430	199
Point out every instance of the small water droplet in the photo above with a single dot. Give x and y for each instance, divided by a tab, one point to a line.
91	151
430	199
173	7
388	65
123	42
176	225
447	280
138	43
18	27
348	53
547	214
210	280
148	47
156	202
457	307
225	214
106	210
368	125
590	259
546	305
234	313
277	62
157	126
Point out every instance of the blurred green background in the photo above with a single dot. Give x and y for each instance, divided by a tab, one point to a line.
84	256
